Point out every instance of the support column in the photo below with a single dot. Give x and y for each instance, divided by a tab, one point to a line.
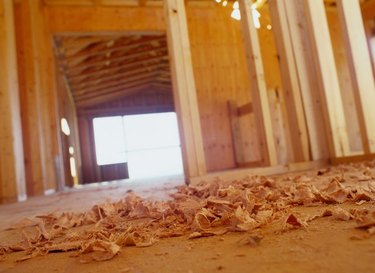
327	78
298	34
184	90
12	173
293	99
31	50
258	85
360	69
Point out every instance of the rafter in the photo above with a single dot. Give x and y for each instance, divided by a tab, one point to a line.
111	84
115	69
110	49
88	93
112	59
116	76
111	96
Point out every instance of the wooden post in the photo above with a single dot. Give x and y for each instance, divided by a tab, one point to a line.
31	72
360	69
258	85
12	173
184	90
327	78
293	99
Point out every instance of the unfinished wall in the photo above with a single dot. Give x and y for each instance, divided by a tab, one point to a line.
67	110
343	73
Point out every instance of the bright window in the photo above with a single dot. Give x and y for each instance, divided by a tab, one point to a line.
109	140
149	143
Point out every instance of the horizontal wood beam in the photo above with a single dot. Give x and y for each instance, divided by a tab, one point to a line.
107	86
65	19
238	174
73	79
115	59
245	109
127	110
117	76
120	93
110	49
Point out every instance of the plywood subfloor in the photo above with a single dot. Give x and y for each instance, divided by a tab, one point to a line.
324	246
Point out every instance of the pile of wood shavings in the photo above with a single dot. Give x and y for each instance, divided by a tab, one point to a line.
206	209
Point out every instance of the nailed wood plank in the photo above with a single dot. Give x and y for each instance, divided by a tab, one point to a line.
328	79
360	69
64	19
31	95
81	77
231	175
184	89
12	171
112	95
258	85
295	14
292	91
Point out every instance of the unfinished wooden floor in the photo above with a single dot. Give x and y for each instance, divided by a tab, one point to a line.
325	245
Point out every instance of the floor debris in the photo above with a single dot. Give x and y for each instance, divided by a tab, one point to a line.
206	209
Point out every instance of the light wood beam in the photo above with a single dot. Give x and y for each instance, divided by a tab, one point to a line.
107	86
327	78
65	19
258	85
12	172
292	91
184	89
295	14
115	59
113	95
81	77
118	76
360	69
31	95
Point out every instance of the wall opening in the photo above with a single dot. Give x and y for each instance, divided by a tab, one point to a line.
148	143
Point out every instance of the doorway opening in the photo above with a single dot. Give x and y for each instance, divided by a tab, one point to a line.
148	143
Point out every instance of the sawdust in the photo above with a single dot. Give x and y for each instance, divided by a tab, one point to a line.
203	210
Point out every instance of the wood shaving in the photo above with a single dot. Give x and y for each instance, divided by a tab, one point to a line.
206	209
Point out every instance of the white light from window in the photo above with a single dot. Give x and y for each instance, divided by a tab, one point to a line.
153	145
109	138
236	5
73	170
71	150
236	14
225	3
256	16
65	126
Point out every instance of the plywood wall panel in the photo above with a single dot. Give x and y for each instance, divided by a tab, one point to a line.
220	74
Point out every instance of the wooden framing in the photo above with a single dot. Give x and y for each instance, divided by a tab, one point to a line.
184	89
12	172
327	78
360	69
246	172
258	85
295	14
293	98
